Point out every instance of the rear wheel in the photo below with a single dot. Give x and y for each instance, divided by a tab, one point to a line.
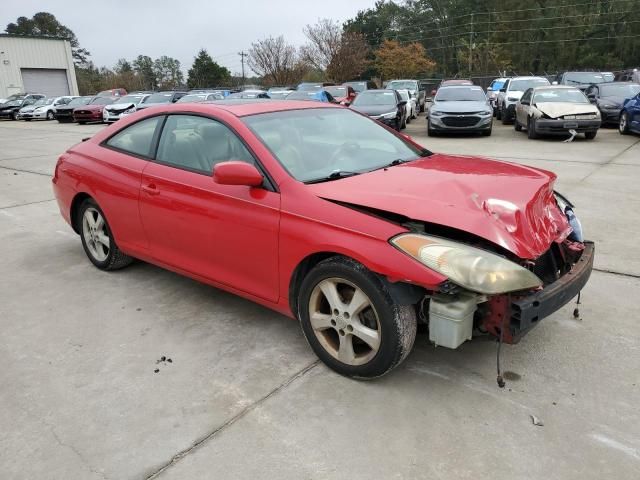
14	116
97	238
506	118
498	113
516	125
531	128
351	321
49	115
623	126
590	135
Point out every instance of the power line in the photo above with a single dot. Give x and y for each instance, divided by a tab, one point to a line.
242	55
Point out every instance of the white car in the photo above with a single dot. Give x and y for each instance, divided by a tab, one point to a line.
122	107
43	109
412	104
511	92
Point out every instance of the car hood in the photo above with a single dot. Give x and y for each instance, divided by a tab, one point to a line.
559	109
514	94
155	104
374	110
510	205
119	107
459	107
91	108
29	108
4	106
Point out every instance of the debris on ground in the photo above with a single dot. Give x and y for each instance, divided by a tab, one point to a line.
536	421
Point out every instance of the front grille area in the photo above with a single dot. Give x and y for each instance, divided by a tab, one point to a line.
82	112
460	121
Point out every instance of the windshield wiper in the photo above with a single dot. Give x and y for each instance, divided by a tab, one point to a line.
335	175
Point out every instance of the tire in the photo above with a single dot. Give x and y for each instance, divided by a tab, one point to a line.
430	131
102	256
531	129
623	126
516	125
14	115
404	124
82	123
27	119
486	133
397	126
498	113
505	117
390	327
590	135
49	115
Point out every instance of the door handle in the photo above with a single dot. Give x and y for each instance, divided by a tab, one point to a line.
150	189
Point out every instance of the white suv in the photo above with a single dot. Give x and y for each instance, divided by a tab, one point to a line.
511	92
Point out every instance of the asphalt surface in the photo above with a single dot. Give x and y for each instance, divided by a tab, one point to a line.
243	397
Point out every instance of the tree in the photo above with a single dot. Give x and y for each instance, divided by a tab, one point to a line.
143	66
207	73
44	24
341	55
123	66
167	72
409	61
276	61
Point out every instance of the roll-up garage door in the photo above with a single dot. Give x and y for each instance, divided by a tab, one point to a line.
48	81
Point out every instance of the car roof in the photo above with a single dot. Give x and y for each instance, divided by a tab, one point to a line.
457	86
557	87
244	107
528	77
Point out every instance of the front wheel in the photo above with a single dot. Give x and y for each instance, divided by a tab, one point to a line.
97	238
486	133
623	126
49	115
498	113
351	321
516	125
590	135
531	129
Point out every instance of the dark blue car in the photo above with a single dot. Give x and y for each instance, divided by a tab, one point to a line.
630	116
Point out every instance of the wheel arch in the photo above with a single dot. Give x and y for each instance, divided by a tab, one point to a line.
75	208
403	293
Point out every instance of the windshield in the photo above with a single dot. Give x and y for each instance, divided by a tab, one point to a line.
159	98
373	97
130	99
402	85
497	85
337	91
43	101
522	85
329	140
608	77
358	86
584	77
101	101
13	103
79	101
620	90
404	94
304	95
309	86
200	97
560	95
460	94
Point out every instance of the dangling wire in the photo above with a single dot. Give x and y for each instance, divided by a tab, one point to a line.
576	311
499	378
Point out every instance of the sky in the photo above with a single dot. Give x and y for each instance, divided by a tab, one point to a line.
113	29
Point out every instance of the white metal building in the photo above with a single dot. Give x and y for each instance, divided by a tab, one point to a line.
36	65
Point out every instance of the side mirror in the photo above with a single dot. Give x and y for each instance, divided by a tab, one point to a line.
235	172
503	90
524	103
402	103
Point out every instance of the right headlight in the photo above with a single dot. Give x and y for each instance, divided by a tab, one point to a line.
472	268
435	113
389	115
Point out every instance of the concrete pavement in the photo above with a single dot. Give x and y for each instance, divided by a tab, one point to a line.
244	397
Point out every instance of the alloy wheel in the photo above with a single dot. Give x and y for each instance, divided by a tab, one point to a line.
623	123
344	321
96	236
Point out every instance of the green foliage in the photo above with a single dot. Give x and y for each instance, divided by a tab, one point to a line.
207	73
167	73
143	66
44	24
498	35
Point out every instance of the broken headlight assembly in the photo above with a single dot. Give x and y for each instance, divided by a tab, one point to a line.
566	207
472	268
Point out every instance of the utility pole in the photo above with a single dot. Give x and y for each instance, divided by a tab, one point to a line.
470	45
242	55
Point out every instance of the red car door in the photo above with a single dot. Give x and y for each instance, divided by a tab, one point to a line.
225	233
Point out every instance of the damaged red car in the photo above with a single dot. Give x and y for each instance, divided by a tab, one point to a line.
327	216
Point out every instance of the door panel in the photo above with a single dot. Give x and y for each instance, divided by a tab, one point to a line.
228	234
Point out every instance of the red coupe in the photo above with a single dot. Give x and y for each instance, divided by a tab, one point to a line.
92	112
325	215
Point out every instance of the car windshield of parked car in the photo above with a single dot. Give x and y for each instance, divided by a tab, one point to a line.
624	90
101	101
198	97
329	140
565	95
13	103
159	98
309	86
404	94
337	91
522	85
584	77
79	101
129	99
460	94
358	86
303	95
371	97
43	101
402	85
496	85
